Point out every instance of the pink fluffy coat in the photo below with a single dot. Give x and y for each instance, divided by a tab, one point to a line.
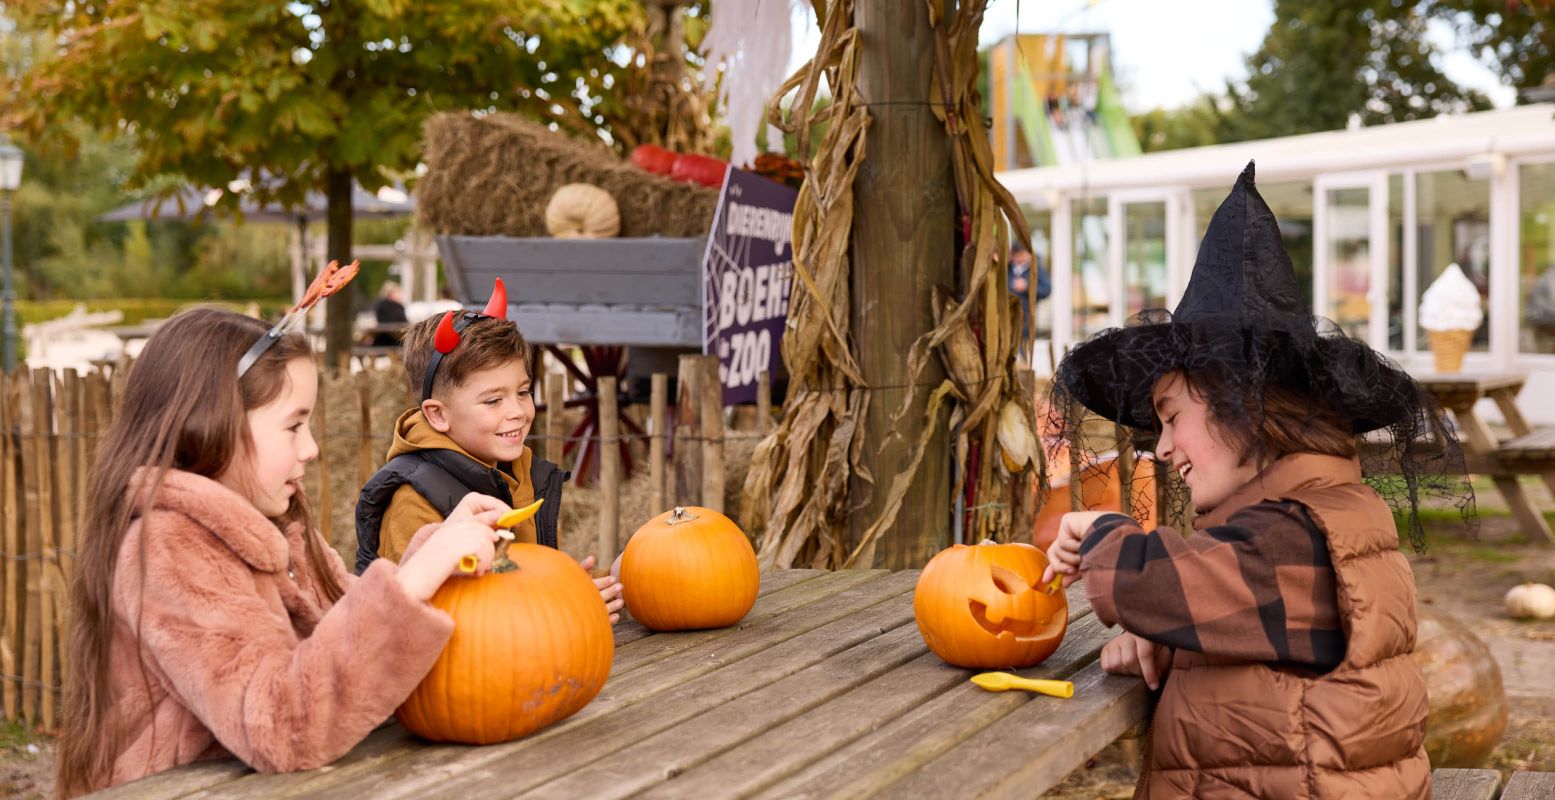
242	652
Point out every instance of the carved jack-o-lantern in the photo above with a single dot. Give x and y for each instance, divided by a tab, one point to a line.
983	606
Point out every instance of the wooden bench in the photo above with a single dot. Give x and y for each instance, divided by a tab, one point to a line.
1485	784
1532	452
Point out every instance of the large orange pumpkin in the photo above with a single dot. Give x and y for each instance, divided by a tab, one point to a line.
689	568
531	645
1100	491
983	606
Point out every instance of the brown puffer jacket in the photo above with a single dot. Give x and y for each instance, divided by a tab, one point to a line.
1225	729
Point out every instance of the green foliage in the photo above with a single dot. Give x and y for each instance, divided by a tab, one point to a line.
1516	38
1322	64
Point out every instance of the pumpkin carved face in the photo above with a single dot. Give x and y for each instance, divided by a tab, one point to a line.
981	606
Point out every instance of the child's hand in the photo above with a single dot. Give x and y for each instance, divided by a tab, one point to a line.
609	588
479	506
1064	555
1135	655
439	556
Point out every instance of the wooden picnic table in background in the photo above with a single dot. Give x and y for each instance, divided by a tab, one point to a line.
1528	452
825	689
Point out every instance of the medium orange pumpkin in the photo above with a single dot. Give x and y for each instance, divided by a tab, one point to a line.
983	606
531	645
689	568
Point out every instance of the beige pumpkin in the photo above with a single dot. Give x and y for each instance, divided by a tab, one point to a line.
1531	601
1463	682
582	211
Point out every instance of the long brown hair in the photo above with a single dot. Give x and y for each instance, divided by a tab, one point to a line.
184	409
1278	421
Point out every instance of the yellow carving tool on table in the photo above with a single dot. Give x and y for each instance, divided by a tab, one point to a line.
1004	681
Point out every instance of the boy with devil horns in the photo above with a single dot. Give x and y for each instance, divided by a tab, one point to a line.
471	373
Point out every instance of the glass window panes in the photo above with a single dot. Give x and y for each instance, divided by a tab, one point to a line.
1536	257
1144	256
1090	266
1348	233
1452	226
1396	262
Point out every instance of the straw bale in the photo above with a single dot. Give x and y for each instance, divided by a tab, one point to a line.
495	174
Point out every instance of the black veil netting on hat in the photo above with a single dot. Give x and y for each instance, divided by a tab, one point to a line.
1242	328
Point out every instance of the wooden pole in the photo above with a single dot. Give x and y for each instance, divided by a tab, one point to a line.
10	386
609	470
1125	469
33	547
688	433
904	207
712	435
47	567
326	517
764	402
658	401
366	460
555	418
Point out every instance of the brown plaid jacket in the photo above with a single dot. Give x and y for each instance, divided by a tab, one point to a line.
1259	587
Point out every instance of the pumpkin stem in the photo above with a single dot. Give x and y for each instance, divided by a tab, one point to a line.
986	541
679	515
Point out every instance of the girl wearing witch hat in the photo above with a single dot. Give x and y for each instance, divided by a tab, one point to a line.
1282	628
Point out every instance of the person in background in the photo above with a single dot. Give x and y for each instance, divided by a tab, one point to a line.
1022	267
389	309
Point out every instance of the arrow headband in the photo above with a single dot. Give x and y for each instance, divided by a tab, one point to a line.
332	279
453	324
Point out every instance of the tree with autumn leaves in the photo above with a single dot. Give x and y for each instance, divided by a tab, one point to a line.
310	95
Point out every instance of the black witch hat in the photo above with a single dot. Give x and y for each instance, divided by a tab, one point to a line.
1243	326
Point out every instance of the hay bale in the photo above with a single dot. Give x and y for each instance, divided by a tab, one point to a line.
494	175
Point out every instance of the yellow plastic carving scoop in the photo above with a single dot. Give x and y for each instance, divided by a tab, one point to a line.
469	564
518	515
1004	681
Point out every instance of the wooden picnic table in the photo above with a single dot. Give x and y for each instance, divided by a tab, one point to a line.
1527	452
825	689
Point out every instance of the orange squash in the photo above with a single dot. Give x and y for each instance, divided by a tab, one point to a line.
531	645
1100	491
983	606
689	568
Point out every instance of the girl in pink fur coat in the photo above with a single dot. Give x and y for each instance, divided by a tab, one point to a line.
209	617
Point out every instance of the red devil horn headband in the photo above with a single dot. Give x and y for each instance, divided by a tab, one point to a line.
453	324
330	280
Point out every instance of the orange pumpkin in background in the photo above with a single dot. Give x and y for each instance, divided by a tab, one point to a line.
653	158
689	568
1100	491
531	645
705	170
984	607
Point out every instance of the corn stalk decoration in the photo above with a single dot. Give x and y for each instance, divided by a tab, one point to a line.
796	495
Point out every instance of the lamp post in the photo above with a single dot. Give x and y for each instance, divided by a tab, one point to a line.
10	179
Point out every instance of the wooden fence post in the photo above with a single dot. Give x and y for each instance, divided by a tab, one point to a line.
366	461
556	419
688	433
32	547
712	436
609	471
764	402
658	399
326	514
10	479
46	524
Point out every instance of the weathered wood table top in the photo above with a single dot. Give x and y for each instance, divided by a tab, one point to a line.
824	690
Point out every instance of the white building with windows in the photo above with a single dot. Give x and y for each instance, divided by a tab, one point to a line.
1369	216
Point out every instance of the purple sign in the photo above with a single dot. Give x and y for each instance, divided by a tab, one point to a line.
746	276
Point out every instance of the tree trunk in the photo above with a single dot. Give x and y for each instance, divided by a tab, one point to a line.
340	310
902	247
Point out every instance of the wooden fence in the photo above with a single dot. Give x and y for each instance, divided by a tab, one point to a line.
51	424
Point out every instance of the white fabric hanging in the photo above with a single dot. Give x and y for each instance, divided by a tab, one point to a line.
752	41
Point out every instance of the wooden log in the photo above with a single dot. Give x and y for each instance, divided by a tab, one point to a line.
609	471
904	209
1125	469
712	436
70	468
1465	784
10	633
556	418
688	433
46	525
764	402
658	399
